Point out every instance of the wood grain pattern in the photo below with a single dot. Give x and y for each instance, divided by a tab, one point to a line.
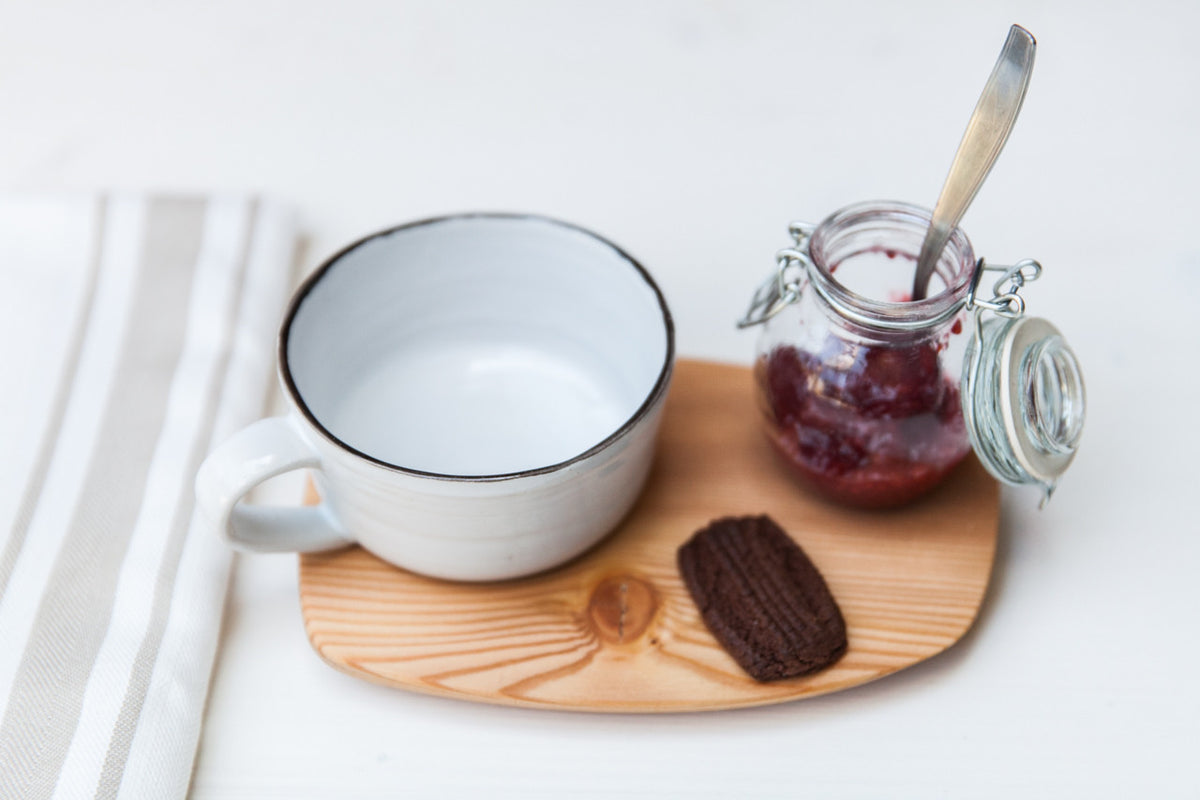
615	630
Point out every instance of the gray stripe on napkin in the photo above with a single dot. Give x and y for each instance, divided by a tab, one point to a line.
73	617
37	475
139	683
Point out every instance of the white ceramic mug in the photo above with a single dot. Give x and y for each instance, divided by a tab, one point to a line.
478	397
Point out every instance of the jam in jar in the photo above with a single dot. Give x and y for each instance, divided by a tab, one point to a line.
859	385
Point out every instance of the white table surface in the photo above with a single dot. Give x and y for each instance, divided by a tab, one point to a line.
691	133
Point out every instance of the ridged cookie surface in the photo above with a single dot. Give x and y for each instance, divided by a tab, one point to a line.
762	598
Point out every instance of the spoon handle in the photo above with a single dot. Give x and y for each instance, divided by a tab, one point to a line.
986	133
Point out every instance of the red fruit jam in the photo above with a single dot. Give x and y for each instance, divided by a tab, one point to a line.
868	425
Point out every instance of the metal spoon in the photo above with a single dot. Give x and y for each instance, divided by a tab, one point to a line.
986	133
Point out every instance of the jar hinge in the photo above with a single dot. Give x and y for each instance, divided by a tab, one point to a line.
786	284
1006	300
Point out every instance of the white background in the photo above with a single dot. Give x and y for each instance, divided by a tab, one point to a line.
690	133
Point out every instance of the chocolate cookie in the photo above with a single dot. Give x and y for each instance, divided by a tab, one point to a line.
762	598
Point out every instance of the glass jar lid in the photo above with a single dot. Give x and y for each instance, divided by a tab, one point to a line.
1023	394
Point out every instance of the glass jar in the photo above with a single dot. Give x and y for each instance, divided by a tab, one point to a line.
871	398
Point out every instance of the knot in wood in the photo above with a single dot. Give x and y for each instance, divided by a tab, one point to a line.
621	608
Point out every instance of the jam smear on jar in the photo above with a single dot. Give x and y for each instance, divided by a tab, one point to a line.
872	426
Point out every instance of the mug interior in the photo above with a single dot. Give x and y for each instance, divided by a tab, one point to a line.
477	346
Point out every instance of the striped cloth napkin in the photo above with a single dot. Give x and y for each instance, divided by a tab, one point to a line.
134	333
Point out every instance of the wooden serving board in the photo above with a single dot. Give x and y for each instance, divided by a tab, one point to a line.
615	630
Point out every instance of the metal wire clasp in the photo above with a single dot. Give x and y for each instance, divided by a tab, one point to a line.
786	285
1006	300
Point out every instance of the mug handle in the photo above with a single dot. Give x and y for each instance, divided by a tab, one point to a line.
260	451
